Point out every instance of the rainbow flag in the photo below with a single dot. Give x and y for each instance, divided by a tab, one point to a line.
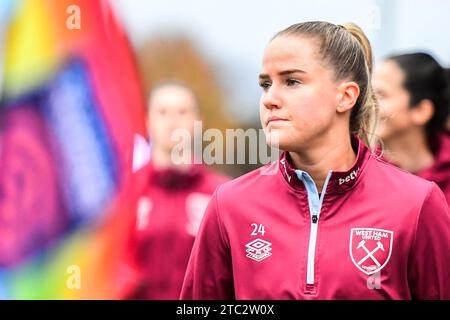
73	154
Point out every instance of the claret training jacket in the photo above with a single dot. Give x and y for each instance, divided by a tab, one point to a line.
375	232
168	215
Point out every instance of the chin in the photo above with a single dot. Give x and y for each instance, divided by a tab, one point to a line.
273	138
281	144
286	140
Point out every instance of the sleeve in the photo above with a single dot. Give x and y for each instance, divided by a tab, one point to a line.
209	274
429	263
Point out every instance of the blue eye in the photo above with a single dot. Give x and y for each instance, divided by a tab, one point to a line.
292	82
265	85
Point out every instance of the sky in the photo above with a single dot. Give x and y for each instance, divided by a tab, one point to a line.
232	34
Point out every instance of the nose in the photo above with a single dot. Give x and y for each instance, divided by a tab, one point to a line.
271	99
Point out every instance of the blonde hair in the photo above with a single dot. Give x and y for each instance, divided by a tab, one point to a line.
347	50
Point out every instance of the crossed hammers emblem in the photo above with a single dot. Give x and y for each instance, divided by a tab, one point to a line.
362	244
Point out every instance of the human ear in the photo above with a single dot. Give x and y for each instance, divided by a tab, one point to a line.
422	112
348	95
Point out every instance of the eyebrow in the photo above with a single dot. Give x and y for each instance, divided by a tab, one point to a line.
282	73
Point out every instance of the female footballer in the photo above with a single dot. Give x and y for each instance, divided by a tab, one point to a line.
334	221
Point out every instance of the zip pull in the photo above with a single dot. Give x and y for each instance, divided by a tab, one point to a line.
315	218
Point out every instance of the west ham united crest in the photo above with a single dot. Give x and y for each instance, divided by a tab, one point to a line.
370	248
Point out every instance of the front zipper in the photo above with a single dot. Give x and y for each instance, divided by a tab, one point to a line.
315	206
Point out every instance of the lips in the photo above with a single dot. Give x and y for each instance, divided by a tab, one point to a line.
274	119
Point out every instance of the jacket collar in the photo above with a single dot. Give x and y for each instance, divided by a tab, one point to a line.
175	179
340	181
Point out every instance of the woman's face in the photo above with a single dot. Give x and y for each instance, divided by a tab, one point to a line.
299	98
393	100
171	108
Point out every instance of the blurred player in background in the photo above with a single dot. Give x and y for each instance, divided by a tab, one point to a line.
171	209
414	107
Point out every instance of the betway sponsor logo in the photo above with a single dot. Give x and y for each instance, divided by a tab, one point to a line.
350	177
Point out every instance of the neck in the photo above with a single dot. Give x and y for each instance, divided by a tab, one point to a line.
162	159
409	151
318	161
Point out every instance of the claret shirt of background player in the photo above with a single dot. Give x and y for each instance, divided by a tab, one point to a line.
375	232
168	216
439	172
